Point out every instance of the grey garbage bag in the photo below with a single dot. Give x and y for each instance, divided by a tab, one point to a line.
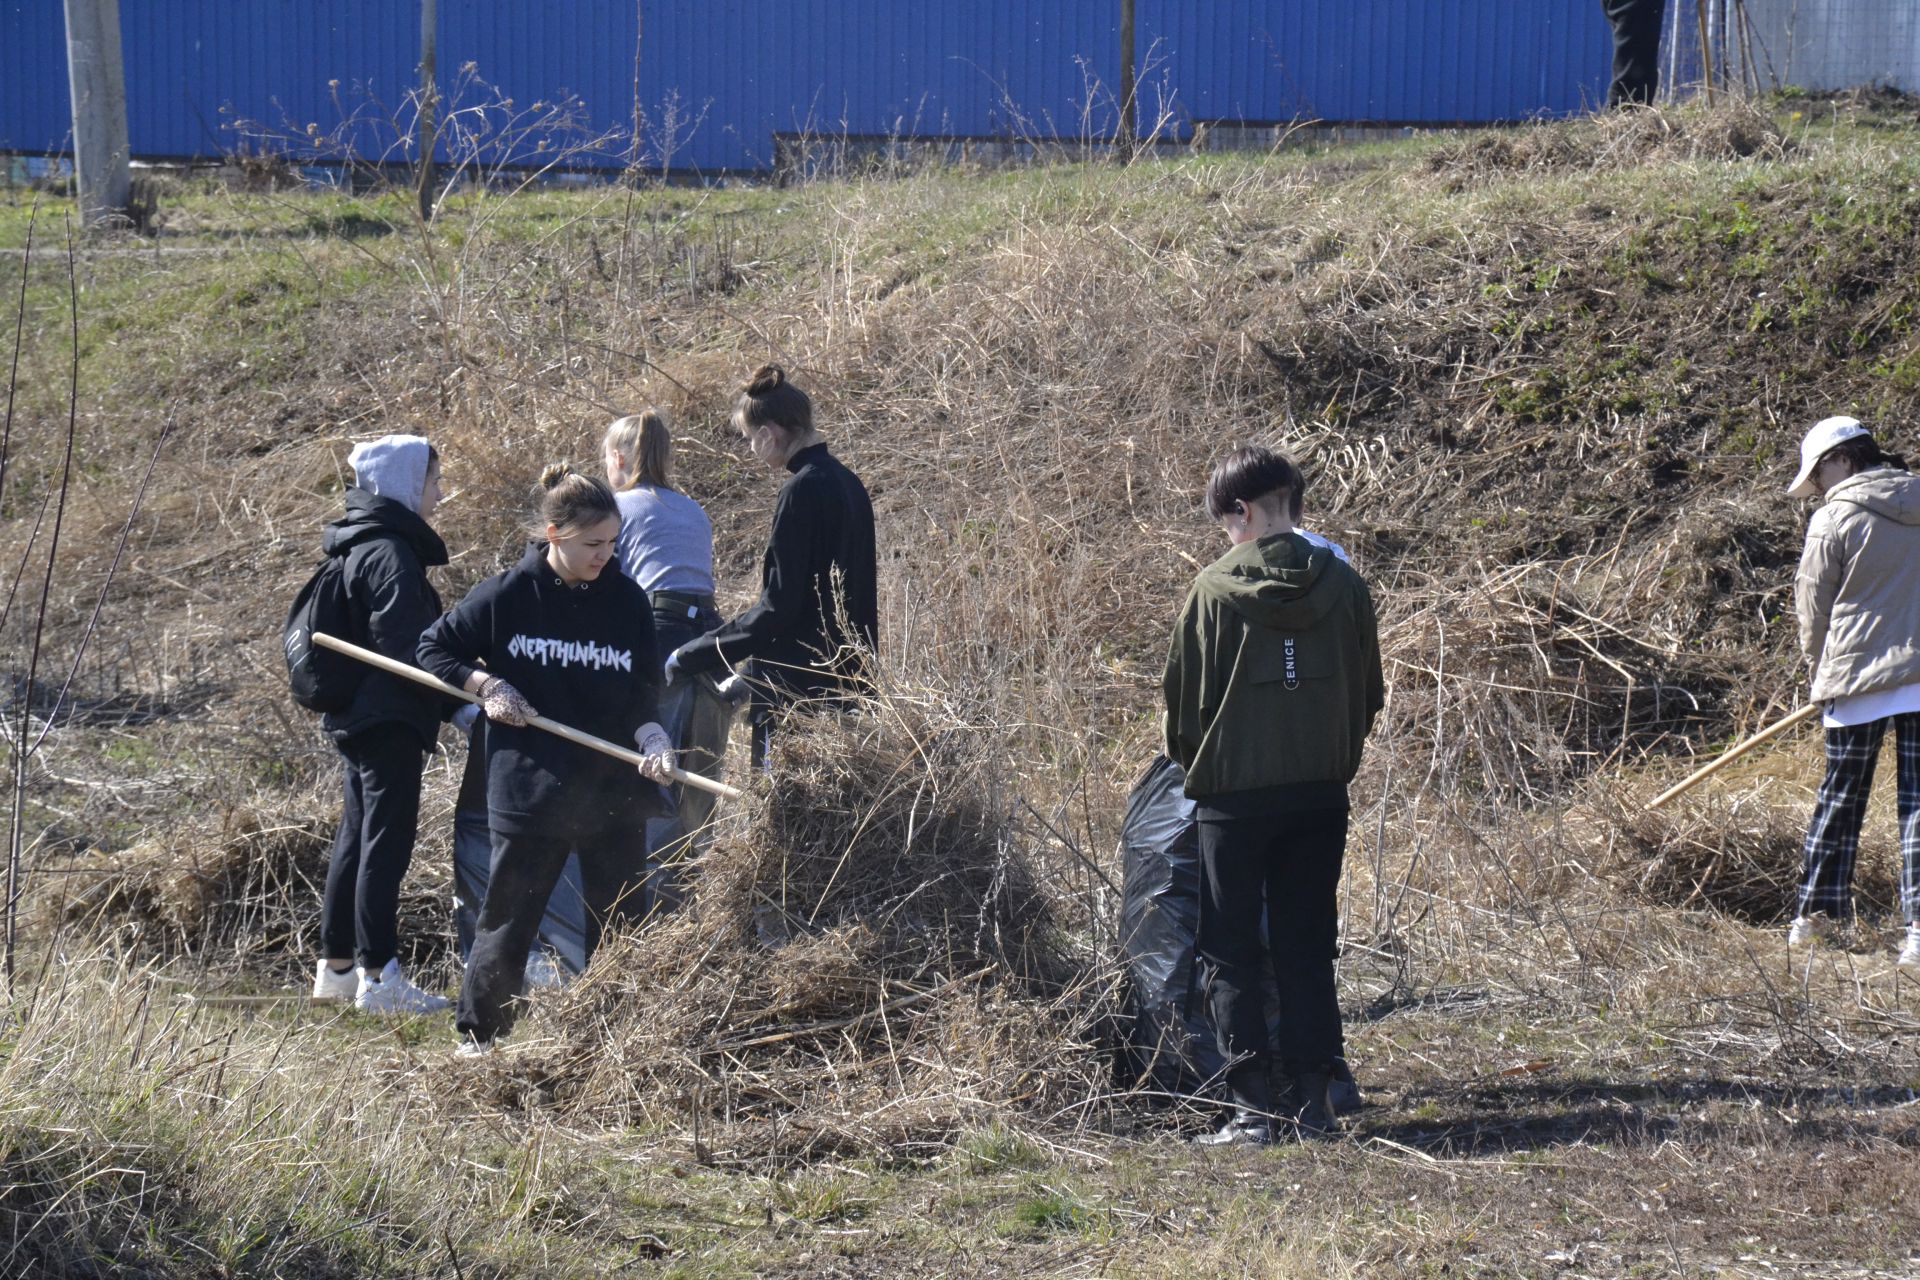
563	930
1172	1028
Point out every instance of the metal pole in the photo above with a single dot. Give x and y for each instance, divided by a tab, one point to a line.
429	53
97	87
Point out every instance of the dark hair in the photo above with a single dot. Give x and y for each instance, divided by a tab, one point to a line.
1248	474
769	400
433	457
1860	454
568	500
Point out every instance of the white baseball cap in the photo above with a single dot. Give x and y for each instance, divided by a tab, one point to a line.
1826	433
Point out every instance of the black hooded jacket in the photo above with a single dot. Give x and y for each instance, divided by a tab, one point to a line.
583	655
388	550
819	572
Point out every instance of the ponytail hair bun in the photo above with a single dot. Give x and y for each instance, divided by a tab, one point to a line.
764	380
567	500
769	400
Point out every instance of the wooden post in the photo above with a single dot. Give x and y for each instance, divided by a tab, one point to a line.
553	727
429	102
1767	734
97	87
1129	108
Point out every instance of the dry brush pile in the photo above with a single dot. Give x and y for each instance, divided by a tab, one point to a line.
868	965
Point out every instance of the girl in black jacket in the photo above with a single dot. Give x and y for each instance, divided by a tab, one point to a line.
556	633
385	733
818	614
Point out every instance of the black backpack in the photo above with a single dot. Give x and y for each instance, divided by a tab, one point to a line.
323	679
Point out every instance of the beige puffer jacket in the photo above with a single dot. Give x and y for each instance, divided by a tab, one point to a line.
1858	589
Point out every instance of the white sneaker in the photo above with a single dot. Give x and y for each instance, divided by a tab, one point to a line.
544	972
1805	931
391	991
1910	952
334	984
471	1048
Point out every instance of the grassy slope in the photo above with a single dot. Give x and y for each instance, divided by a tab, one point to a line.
1547	407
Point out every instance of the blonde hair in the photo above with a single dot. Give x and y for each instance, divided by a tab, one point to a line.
645	446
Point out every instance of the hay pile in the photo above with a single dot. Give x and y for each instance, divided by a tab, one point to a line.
867	965
1731	848
240	892
1733	130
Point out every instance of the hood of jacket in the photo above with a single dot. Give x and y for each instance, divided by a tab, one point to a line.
1887	492
371	516
1279	582
394	467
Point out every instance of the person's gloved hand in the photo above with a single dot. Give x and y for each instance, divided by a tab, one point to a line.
672	672
505	703
463	718
657	747
733	689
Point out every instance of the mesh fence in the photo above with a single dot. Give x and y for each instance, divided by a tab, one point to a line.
1763	45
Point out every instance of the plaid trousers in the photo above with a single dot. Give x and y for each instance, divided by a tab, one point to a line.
1833	838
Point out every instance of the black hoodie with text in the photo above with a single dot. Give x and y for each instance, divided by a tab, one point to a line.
583	655
388	550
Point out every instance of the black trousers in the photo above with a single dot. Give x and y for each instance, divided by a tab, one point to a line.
379	817
613	868
1289	865
1636	49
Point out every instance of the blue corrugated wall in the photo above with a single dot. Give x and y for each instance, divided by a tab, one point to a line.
744	70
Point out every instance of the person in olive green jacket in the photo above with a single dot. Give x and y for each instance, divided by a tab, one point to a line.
1272	684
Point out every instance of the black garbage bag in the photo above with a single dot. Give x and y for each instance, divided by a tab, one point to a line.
1173	1033
1159	915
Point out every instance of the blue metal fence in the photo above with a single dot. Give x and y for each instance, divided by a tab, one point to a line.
736	73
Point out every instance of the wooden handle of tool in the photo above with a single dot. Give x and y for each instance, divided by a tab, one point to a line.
554	727
1772	731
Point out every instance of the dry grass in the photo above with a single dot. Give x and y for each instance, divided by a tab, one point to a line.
1542	399
1735	130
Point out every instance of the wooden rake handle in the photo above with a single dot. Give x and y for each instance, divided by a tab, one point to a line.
554	727
1767	734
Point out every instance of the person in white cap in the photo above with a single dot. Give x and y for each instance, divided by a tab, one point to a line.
1857	596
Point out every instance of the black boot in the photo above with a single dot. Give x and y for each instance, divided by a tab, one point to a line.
1346	1090
1307	1109
1252	1121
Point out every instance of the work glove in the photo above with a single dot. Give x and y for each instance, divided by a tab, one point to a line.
672	672
657	747
505	703
734	689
